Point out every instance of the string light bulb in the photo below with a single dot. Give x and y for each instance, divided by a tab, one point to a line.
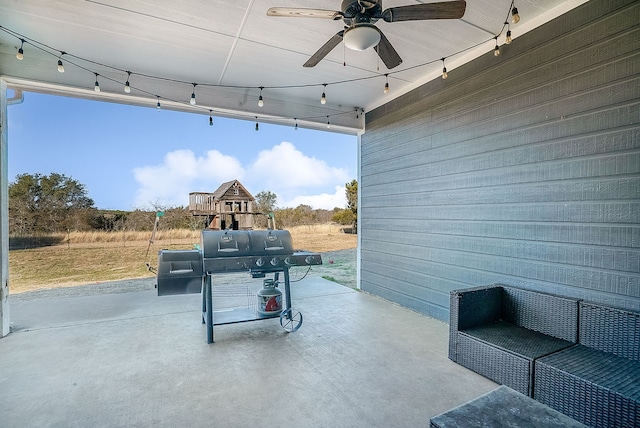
158	107
210	118
192	101
515	16
60	65
444	70
515	19
323	98
295	128
260	99
127	86
20	54
328	123
257	124
386	84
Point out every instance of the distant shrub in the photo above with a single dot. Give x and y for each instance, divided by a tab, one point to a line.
345	217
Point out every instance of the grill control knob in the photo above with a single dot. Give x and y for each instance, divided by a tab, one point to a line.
287	261
260	262
308	259
274	262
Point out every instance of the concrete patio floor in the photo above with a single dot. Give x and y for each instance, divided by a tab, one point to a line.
133	359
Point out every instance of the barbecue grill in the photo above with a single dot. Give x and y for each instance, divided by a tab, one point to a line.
257	252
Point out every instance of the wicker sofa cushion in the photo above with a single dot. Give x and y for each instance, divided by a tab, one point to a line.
605	369
521	341
595	387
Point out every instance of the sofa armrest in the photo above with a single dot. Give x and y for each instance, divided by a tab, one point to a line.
610	329
472	307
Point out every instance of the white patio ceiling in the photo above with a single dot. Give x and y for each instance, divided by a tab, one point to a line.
231	47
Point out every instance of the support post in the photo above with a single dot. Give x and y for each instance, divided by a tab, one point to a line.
208	304
4	213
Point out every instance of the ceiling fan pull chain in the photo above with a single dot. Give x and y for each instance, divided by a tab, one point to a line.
344	54
360	32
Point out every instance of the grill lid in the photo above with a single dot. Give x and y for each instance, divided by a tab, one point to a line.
240	243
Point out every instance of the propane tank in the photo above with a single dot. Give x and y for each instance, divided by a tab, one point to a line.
269	298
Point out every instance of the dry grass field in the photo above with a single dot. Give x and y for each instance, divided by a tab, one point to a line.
92	257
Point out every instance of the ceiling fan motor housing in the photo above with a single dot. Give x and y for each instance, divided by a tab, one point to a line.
359	17
360	11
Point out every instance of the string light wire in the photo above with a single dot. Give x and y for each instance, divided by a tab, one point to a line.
512	12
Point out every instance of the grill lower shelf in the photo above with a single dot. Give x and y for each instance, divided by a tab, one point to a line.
238	315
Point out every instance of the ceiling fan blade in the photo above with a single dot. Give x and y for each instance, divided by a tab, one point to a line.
418	12
367	4
324	50
387	53
296	12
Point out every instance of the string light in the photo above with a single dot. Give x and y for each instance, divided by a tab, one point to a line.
257	125
328	123
260	100
127	86
515	15
323	100
444	70
20	54
210	118
192	101
60	65
296	127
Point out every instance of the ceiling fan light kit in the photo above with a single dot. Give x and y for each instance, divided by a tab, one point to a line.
361	37
359	17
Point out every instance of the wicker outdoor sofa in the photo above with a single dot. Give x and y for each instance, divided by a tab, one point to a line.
580	358
596	382
499	331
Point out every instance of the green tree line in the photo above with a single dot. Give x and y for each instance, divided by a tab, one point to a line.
55	203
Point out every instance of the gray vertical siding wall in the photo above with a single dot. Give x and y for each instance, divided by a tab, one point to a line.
522	169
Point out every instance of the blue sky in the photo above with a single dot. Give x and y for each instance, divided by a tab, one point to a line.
135	157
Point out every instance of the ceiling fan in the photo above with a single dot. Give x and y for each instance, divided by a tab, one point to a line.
359	17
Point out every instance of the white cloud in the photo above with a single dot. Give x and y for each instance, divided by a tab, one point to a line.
285	167
297	178
322	201
180	173
284	170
